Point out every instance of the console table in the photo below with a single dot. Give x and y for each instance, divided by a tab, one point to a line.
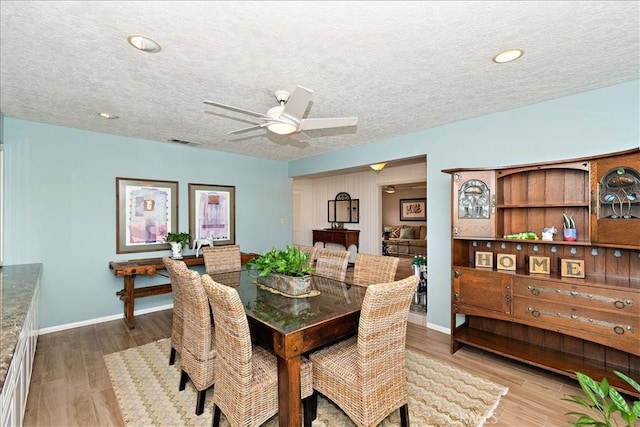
129	269
342	237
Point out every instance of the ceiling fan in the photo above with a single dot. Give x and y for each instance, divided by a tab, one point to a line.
286	118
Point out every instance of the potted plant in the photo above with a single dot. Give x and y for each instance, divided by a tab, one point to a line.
178	242
286	270
603	402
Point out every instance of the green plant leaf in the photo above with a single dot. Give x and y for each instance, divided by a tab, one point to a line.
636	409
629	380
619	401
590	387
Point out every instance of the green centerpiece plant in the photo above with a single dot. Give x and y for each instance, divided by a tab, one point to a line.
285	270
289	262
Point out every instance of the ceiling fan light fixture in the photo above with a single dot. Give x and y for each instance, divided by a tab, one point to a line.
378	166
143	43
390	189
282	128
508	56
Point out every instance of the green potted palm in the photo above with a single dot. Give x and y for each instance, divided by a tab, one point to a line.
286	270
178	242
604	403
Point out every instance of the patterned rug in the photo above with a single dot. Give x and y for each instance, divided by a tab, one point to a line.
439	394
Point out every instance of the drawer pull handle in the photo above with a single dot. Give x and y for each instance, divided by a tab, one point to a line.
535	291
573	293
456	296
619	304
618	330
535	313
456	274
574	316
629	302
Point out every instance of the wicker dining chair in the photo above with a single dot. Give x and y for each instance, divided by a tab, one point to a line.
332	263
221	259
172	267
246	389
371	269
198	342
365	375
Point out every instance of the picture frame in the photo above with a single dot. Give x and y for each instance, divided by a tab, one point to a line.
146	210
413	209
212	213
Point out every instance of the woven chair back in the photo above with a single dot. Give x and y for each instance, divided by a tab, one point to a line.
198	352
221	259
381	341
332	263
371	269
173	267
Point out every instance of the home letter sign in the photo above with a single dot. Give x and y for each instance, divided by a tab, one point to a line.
484	259
506	262
539	264
572	268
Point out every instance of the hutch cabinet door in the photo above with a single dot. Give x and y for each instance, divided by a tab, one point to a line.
615	184
475	291
474	204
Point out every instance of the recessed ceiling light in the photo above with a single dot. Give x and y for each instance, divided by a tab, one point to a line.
508	55
108	116
143	43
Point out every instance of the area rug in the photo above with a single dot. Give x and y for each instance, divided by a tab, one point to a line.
439	394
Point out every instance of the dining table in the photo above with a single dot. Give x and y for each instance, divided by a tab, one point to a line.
292	326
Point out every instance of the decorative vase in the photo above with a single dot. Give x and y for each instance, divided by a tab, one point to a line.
570	234
291	285
176	250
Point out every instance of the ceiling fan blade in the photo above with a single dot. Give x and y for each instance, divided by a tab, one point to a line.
233	132
237	110
310	124
297	103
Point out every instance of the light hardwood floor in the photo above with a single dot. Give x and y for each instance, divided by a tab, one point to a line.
70	384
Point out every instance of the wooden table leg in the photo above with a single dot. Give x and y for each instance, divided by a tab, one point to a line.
129	299
289	401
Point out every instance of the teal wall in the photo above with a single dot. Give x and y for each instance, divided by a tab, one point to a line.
594	122
60	188
60	208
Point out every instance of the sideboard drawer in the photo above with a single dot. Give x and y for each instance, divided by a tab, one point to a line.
618	330
613	299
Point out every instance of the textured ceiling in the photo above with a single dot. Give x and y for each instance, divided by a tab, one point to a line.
400	67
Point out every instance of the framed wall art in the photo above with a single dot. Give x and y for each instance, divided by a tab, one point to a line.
413	209
212	213
146	210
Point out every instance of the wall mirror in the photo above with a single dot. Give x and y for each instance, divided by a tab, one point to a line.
344	209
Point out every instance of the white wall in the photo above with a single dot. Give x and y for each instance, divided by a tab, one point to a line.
61	209
594	122
365	186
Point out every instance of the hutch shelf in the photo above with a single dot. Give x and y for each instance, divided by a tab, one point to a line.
579	308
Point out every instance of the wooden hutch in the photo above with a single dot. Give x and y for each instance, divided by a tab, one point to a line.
586	318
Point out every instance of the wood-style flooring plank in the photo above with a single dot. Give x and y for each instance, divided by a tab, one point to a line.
534	397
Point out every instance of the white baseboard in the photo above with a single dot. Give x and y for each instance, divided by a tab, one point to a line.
100	320
439	328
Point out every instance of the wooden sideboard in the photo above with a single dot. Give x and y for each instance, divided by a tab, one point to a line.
342	237
586	320
129	269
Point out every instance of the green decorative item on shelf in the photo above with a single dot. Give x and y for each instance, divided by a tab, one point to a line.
525	235
603	402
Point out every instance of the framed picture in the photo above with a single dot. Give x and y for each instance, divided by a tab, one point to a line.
212	213
146	211
413	209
